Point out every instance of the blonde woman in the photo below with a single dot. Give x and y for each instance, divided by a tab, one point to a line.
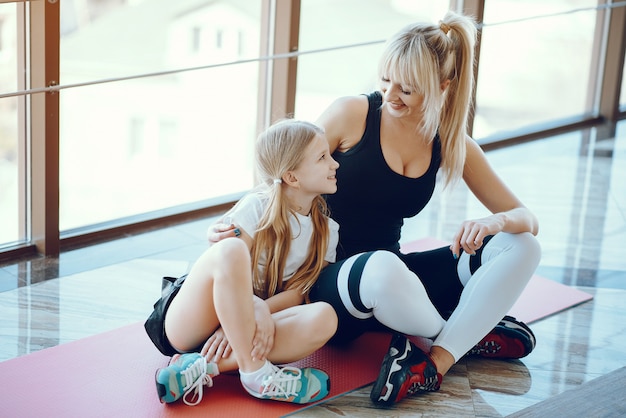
391	144
242	306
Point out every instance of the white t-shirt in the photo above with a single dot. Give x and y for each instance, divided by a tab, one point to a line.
248	213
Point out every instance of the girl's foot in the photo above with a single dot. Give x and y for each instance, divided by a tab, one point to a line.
287	384
186	374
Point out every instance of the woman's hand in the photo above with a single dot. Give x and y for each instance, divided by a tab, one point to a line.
216	346
509	214
263	341
472	233
219	231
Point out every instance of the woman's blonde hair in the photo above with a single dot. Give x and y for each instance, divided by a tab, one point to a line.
422	57
279	149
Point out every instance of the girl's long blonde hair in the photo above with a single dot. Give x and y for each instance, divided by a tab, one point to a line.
279	149
423	56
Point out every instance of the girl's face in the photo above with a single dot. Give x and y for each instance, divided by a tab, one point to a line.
399	100
316	172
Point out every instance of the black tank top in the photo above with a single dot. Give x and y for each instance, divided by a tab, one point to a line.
372	200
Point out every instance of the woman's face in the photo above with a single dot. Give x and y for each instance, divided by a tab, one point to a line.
400	100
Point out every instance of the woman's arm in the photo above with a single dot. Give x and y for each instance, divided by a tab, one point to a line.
508	213
344	122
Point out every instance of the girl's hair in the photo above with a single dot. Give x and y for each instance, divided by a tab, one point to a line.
279	149
422	57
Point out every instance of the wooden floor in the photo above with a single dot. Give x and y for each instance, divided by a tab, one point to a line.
575	184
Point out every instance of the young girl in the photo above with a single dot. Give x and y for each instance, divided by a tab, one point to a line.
241	305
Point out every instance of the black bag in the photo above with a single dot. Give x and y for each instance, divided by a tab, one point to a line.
154	324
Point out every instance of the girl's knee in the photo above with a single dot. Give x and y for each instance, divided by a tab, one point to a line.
229	255
225	260
325	320
229	249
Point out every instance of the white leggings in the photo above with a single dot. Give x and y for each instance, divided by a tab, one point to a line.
396	297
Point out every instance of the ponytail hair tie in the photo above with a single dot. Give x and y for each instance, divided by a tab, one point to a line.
444	27
277	181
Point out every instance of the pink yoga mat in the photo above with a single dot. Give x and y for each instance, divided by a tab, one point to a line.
112	374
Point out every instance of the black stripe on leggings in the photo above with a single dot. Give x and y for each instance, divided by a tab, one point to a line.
354	280
476	260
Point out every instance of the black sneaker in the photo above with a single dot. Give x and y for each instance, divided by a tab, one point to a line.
510	339
406	370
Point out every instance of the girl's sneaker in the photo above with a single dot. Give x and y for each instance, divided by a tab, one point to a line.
186	375
510	339
290	384
406	370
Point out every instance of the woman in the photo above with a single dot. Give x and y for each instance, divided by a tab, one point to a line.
390	146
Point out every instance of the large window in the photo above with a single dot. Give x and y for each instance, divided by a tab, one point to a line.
139	145
535	62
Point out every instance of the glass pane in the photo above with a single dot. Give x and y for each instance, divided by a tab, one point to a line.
145	144
533	71
12	170
326	76
622	95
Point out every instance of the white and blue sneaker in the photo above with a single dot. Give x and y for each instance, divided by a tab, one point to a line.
291	384
186	375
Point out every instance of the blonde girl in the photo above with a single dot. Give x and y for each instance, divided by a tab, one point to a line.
243	304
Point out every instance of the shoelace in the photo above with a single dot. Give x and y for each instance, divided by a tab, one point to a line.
195	378
487	347
431	384
284	382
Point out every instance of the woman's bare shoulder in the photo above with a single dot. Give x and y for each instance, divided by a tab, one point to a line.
344	121
347	106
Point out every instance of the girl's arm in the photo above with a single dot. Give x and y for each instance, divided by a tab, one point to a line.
284	300
508	213
265	328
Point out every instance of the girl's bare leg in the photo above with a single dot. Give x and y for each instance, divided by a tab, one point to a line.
233	300
302	330
220	284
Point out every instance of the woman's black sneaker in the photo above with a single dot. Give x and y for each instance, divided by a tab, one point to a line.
406	370
510	339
